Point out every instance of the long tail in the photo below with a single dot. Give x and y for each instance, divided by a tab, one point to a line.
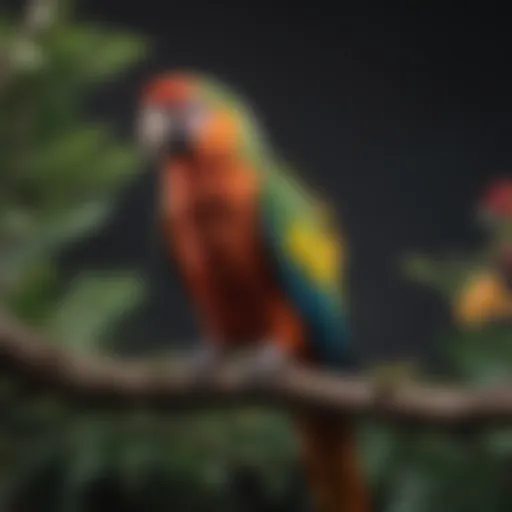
333	464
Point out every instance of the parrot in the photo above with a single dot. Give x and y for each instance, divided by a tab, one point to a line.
259	255
486	297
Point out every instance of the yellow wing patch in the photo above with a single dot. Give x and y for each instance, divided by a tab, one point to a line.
316	251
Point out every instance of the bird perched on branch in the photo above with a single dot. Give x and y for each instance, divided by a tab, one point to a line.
487	296
259	256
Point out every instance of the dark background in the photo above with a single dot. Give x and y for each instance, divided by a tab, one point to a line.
399	118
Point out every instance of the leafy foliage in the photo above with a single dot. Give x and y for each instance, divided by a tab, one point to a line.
461	471
59	181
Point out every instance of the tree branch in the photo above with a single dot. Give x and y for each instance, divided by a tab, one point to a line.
103	382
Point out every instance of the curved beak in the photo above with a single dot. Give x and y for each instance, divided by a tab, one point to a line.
160	132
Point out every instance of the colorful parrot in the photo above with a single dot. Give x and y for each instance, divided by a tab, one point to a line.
487	296
259	256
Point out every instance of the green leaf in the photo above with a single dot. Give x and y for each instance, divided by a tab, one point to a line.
88	312
115	165
80	164
88	53
499	443
15	224
117	52
52	233
412	492
87	451
63	157
379	444
445	275
7	27
481	357
33	298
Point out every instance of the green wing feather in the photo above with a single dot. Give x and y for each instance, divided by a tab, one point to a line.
308	257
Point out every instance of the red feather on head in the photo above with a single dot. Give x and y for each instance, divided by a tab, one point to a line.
497	200
168	89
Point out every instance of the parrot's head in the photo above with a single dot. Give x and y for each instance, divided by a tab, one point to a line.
184	114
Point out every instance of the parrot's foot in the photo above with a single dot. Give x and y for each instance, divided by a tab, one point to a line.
204	362
266	365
